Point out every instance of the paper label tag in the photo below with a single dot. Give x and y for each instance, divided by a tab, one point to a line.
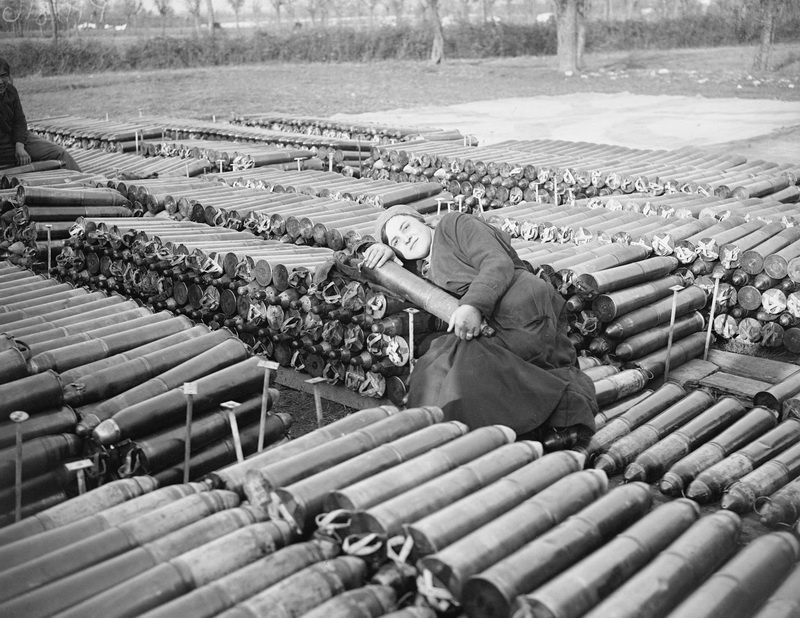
18	417
190	388
78	465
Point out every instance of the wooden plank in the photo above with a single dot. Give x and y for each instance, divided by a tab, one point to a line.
738	386
692	371
339	394
755	367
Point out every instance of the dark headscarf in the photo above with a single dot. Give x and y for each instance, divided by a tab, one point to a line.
5	67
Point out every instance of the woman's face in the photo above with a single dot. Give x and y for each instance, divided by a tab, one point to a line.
5	80
409	237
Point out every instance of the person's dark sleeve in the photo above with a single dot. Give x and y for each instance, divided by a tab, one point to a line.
19	128
488	256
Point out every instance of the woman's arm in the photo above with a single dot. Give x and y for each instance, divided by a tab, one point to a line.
377	254
488	256
23	158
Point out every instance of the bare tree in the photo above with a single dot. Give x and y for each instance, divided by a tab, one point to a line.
194	8
464	9
256	12
99	11
770	9
398	7
630	8
509	10
340	8
371	5
569	15
131	8
210	10
12	13
54	15
71	11
236	5
437	49
164	9
276	4
580	41
318	8
486	10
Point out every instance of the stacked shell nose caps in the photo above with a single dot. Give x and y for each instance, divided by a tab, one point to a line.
383	219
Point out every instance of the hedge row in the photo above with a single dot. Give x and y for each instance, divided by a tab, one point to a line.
76	55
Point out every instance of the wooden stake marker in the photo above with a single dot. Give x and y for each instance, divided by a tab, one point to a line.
411	311
80	467
268	367
675	289
317	397
190	390
18	418
714	298
237	441
49	227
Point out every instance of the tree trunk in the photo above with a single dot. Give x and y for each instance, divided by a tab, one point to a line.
464	11
630	8
54	15
210	9
608	10
398	7
769	15
437	50
580	42
567	35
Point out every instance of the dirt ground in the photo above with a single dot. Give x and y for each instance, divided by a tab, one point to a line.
756	128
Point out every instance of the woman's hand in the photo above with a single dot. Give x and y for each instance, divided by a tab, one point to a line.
23	158
465	322
377	255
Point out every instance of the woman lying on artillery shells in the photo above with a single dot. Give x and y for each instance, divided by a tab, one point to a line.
526	376
17	145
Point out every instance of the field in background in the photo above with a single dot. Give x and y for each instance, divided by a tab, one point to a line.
324	89
409	41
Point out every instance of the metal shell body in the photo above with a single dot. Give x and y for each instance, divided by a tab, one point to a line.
745	581
577	590
491	586
385	485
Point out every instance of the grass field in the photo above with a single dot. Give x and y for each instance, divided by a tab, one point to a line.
324	89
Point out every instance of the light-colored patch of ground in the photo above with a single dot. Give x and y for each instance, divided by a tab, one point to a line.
757	128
